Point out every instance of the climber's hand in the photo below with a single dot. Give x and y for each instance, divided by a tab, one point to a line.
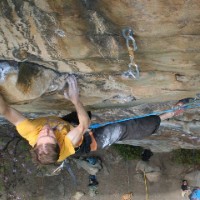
72	93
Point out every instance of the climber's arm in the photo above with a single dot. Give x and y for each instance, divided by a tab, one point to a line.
10	113
72	94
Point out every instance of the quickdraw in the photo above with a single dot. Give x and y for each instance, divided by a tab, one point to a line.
128	35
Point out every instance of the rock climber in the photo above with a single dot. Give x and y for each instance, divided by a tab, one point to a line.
185	189
53	139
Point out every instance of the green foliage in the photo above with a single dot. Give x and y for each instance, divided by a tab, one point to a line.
28	157
186	156
1	185
128	152
1	178
23	146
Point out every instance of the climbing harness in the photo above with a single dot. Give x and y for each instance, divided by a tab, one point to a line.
191	105
146	187
65	164
128	35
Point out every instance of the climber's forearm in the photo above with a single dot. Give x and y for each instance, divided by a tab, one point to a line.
84	120
10	113
4	107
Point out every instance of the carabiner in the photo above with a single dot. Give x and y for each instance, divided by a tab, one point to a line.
128	35
135	73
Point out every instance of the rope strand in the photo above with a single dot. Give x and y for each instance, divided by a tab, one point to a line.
186	106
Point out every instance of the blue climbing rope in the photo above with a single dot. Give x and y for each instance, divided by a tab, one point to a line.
184	107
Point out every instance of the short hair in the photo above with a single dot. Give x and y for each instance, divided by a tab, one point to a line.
42	157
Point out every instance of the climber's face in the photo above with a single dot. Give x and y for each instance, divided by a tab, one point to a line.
184	182
46	135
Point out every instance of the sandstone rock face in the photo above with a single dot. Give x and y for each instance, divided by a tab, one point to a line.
42	41
193	177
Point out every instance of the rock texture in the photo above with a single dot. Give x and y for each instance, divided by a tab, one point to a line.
42	41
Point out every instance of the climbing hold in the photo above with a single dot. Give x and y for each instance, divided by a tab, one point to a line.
60	32
127	196
6	68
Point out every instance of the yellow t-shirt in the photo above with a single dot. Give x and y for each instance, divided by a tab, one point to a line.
30	128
